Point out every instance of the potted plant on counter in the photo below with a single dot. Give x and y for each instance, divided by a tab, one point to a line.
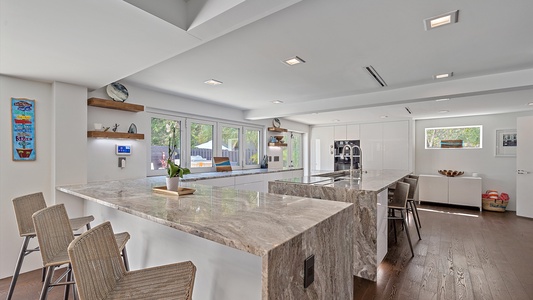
174	171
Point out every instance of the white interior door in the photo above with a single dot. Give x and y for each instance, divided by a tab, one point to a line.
524	167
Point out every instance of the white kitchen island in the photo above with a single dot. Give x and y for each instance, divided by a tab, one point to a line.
246	245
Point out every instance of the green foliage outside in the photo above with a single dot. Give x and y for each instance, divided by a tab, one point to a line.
252	143
201	133
162	131
471	136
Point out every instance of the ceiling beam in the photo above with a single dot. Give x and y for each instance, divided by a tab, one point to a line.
455	88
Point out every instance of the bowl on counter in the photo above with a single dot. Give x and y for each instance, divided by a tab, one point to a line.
451	173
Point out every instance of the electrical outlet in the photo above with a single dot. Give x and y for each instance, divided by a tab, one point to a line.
121	162
309	270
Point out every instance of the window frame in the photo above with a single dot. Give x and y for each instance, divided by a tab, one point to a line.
290	149
214	144
453	127
240	138
183	160
260	146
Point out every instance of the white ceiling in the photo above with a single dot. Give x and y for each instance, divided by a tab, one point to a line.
242	43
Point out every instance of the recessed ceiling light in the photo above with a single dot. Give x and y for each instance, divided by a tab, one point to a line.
443	99
384	117
213	82
294	61
530	104
440	20
443	75
443	111
277	101
336	120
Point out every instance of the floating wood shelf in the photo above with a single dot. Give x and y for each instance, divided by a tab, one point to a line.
277	129
115	135
115	105
278	144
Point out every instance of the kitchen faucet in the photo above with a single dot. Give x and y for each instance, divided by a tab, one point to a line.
350	148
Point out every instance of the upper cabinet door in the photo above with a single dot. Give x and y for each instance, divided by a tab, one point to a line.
396	145
321	148
340	133
352	132
372	145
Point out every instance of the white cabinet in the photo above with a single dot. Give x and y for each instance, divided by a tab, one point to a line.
396	145
433	188
452	190
464	191
339	132
322	148
382	225
372	145
352	132
220	182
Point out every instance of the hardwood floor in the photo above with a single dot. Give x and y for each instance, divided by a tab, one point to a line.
463	254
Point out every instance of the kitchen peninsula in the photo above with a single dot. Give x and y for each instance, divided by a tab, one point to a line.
246	245
369	195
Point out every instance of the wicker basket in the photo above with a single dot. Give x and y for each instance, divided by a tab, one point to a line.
494	205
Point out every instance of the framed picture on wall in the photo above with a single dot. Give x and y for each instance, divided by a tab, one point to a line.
23	129
506	141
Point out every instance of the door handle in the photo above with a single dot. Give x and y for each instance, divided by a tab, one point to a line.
523	172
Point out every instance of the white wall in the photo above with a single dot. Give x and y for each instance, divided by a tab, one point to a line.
20	178
498	173
102	161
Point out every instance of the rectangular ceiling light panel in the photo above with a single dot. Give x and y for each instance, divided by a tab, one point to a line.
441	20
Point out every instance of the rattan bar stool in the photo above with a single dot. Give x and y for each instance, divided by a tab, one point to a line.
399	203
95	250
25	206
54	235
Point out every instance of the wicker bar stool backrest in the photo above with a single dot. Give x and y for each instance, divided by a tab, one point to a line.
413	184
53	232
25	206
96	262
400	195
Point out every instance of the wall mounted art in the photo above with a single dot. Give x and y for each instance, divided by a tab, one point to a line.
506	142
23	129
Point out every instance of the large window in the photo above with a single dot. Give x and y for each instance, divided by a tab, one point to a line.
252	146
230	140
201	144
293	153
459	137
159	142
200	140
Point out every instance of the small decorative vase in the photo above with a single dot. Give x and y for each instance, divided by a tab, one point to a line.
173	183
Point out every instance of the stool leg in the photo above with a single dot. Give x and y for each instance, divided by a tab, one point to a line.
46	284
416	222
69	279
18	266
416	212
408	236
125	258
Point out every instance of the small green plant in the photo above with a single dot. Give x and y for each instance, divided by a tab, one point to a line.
173	169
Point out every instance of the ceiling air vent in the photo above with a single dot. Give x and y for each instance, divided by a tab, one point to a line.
375	75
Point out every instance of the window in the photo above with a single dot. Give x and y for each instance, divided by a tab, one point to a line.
460	137
252	144
201	144
159	141
200	140
293	153
230	140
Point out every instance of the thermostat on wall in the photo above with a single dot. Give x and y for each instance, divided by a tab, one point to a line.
123	149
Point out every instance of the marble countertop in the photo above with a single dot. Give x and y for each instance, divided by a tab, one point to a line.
211	175
249	221
372	180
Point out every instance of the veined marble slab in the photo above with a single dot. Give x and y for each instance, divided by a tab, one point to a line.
363	193
283	230
213	175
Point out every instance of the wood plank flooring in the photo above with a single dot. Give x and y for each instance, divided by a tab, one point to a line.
463	254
